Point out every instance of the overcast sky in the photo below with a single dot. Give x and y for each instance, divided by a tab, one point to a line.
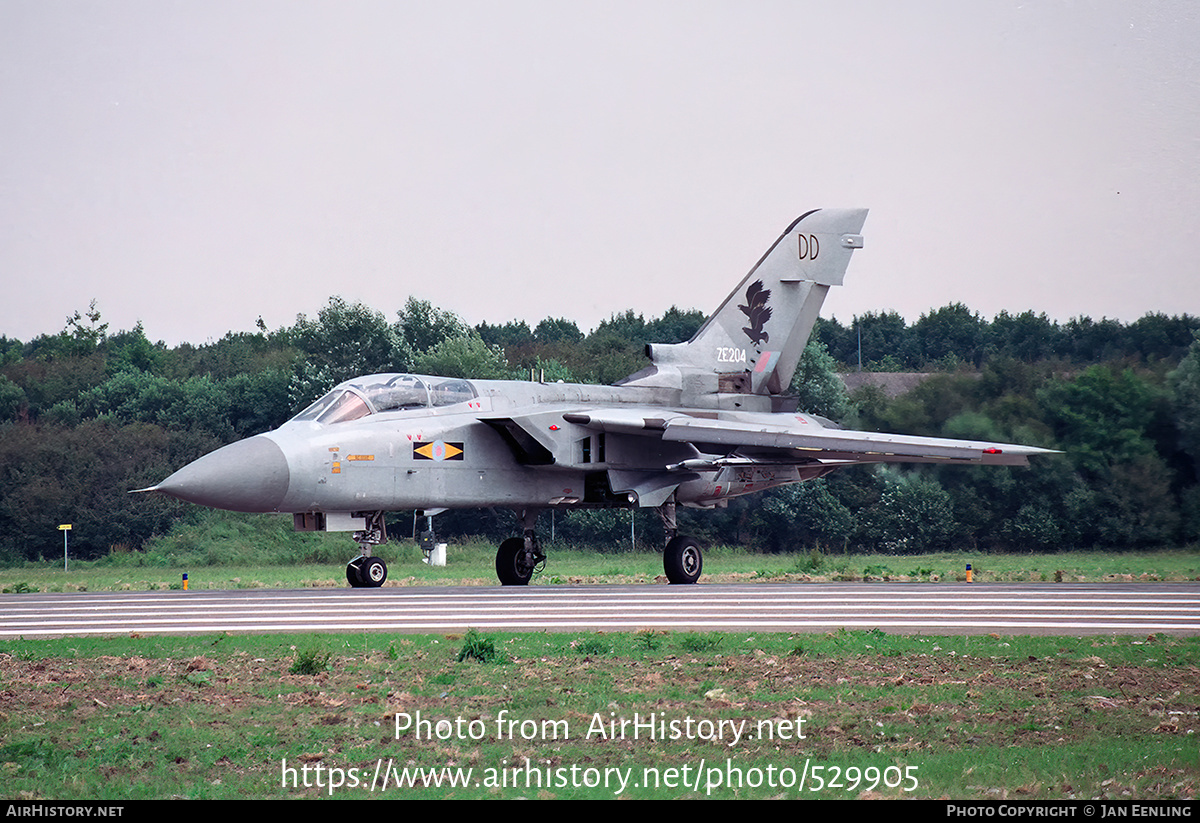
194	165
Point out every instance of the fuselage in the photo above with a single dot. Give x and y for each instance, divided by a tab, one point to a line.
484	443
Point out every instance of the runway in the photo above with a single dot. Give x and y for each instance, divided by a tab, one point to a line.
913	608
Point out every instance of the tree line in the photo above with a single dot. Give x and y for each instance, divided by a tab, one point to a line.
953	336
86	415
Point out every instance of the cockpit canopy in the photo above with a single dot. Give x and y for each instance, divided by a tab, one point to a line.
386	393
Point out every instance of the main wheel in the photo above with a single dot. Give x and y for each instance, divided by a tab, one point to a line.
511	566
682	561
354	573
374	572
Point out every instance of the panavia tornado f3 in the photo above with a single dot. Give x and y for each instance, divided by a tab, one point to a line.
707	420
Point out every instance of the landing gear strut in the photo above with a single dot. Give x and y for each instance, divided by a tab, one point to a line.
366	571
518	558
682	559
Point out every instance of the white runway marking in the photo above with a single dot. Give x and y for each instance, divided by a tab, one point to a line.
909	608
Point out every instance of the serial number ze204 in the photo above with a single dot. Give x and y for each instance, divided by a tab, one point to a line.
730	354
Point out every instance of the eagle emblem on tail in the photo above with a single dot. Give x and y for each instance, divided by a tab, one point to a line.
757	312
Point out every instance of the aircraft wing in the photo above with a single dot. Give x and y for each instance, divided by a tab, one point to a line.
799	438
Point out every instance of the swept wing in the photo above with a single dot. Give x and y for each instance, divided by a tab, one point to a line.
775	438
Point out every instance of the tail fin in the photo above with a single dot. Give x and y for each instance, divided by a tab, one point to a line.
754	340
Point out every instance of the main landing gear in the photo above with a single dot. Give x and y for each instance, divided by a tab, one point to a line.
682	560
518	558
366	571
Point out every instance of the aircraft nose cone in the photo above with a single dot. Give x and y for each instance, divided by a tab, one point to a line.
248	476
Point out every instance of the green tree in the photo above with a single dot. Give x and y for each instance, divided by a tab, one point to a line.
625	326
140	397
512	333
606	357
82	475
840	341
951	333
12	399
914	514
258	402
1101	417
802	515
130	350
1184	386
423	325
466	356
817	385
1156	336
1026	336
237	353
1104	420
85	331
1094	342
345	340
551	371
884	335
675	326
557	330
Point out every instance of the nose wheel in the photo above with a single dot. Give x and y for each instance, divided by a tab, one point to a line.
366	572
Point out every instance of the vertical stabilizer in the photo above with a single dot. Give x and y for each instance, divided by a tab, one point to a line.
754	340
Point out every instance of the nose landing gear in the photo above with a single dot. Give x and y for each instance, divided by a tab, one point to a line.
366	571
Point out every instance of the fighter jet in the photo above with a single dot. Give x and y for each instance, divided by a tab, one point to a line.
705	421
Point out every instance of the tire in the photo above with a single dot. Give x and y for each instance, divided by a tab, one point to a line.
374	572
354	573
682	560
510	568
